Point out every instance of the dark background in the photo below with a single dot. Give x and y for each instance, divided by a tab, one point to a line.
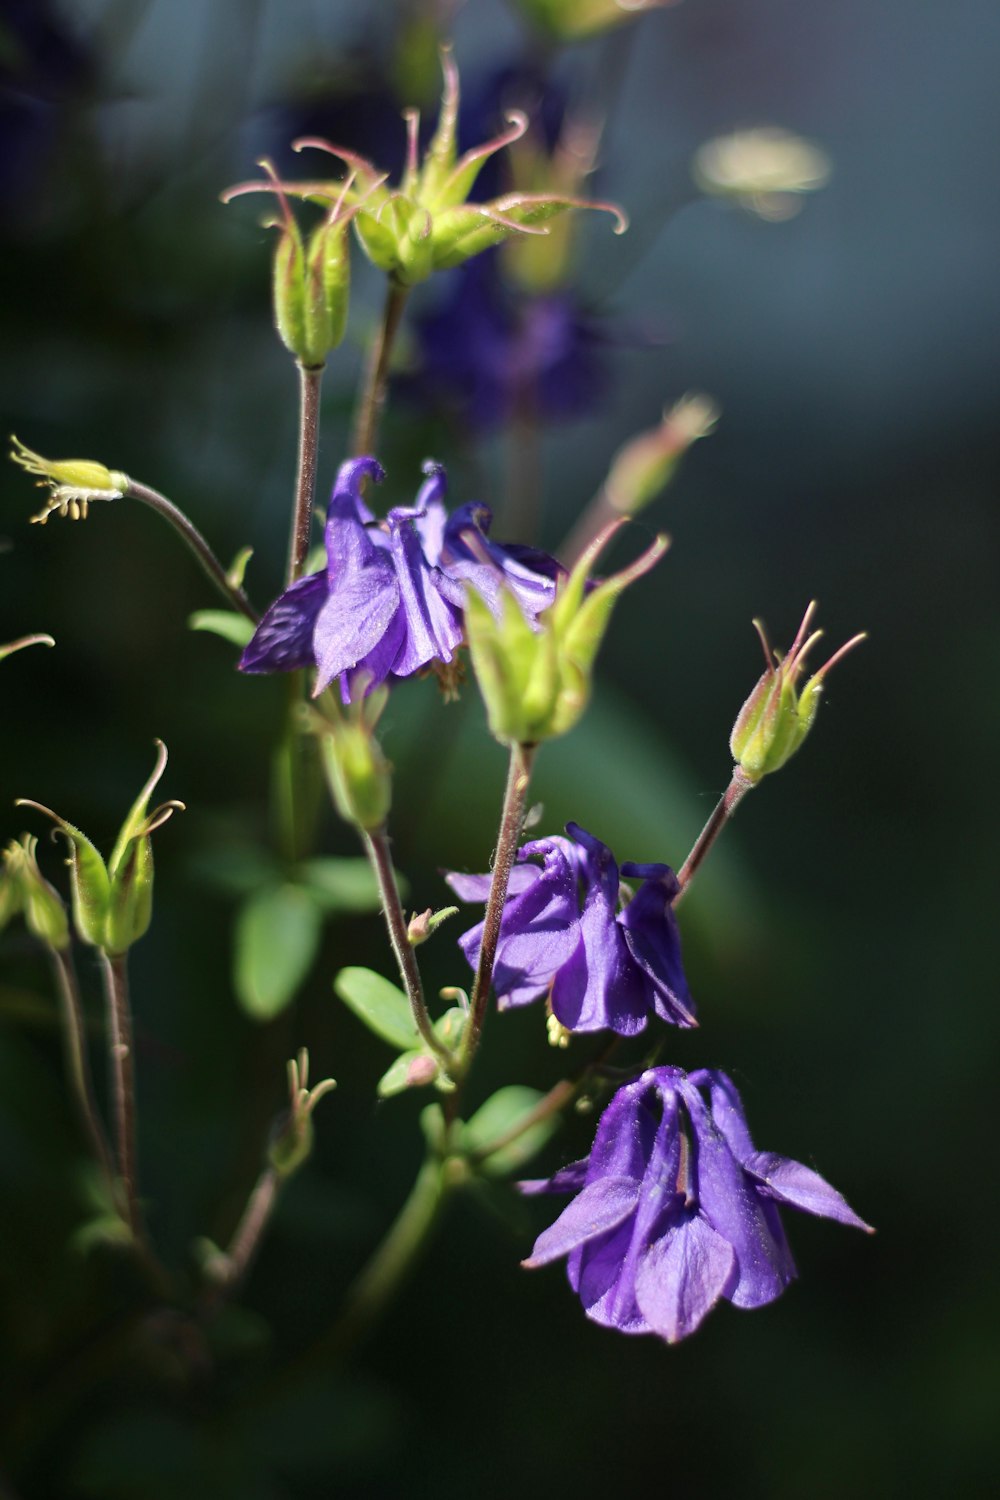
841	944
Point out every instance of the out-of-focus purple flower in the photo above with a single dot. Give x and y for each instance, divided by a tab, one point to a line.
489	351
389	601
562	935
675	1209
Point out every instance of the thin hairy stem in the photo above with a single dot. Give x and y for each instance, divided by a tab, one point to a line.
310	385
246	1237
508	837
196	543
371	399
77	1061
114	969
380	856
558	1097
726	806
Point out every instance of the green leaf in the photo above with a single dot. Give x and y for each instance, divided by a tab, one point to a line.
234	628
277	934
340	885
494	1118
382	1007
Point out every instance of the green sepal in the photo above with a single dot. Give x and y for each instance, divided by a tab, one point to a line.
501	1112
277	937
90	885
398	239
232	627
130	900
536	682
377	1003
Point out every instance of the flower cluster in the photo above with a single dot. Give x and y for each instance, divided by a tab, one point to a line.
563	936
675	1209
390	599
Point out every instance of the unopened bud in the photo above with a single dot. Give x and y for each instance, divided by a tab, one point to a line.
358	774
24	888
777	716
424	924
536	682
112	903
646	464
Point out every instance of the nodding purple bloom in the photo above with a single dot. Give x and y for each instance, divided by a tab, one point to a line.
389	601
676	1210
562	935
489	351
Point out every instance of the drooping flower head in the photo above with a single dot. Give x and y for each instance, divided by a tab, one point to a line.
390	600
564	937
675	1209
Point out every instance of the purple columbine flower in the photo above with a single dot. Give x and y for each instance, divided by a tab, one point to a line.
389	601
487	350
675	1209
562	935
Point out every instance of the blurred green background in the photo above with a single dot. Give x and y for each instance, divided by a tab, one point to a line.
840	944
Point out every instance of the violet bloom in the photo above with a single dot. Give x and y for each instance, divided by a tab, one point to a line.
562	935
389	601
487	350
676	1209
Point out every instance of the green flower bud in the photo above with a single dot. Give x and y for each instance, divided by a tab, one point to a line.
567	19
536	683
645	465
311	281
424	225
112	903
358	774
23	888
777	716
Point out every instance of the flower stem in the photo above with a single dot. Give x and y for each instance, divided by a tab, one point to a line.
310	384
196	543
371	399
77	1063
511	821
237	1259
115	973
379	854
727	805
557	1098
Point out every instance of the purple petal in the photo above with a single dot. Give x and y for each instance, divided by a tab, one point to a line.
600	987
283	641
568	1179
626	1134
433	626
793	1183
599	1207
727	1110
360	614
728	1200
595	1274
681	1277
650	930
477	887
346	496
